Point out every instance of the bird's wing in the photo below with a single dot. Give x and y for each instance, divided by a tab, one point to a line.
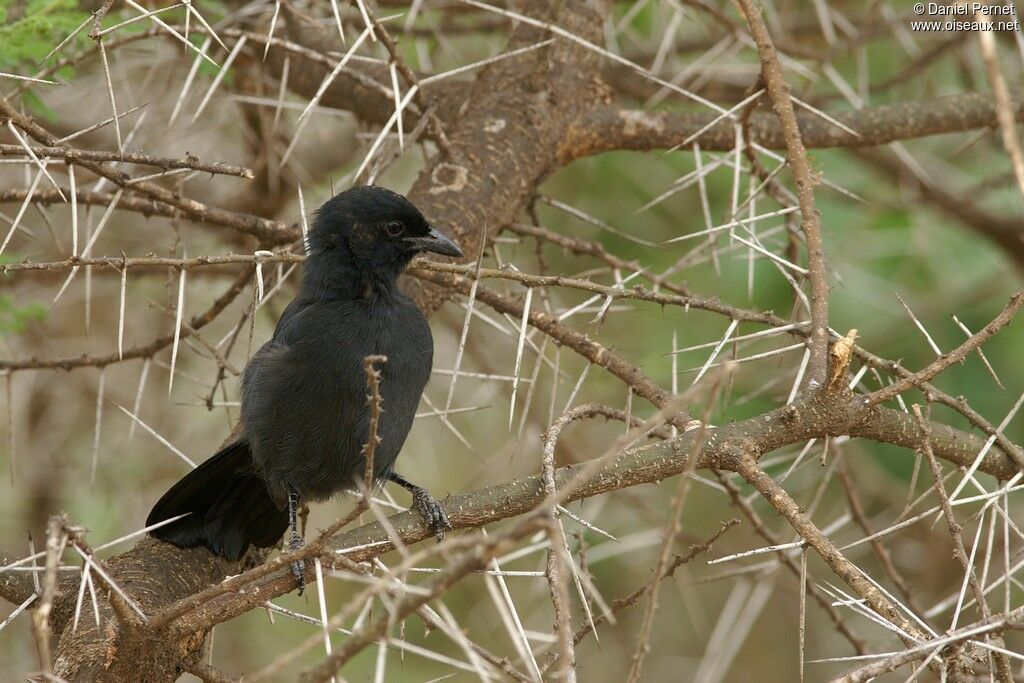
287	328
291	318
303	395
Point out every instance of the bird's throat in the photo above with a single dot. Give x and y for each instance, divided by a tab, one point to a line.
349	281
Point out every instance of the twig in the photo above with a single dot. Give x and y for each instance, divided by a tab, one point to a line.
955	532
995	624
55	540
592	350
679	560
269	230
1004	107
146	351
787	561
881	552
674	526
796	155
747	468
555	566
597	250
955	356
122	263
558	587
166	163
221	359
374	401
434	124
475	559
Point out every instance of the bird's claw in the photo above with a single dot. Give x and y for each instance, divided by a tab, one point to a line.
298	567
431	512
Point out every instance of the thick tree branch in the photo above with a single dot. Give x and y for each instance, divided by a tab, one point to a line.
612	127
144	571
15	587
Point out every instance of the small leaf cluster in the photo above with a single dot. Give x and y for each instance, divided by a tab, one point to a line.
28	33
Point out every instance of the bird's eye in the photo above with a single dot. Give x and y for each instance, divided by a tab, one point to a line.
394	228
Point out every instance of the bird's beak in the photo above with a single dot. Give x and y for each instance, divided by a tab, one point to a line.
437	242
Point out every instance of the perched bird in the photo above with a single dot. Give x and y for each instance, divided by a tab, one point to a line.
305	418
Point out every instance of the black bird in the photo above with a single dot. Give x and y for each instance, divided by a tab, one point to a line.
304	414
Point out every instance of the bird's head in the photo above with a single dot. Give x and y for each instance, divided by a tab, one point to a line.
375	231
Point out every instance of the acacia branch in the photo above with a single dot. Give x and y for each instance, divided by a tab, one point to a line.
992	625
475	559
721	449
145	205
634	597
143	571
361	91
267	230
120	263
452	277
796	156
826	549
612	127
166	163
824	600
955	356
1002	668
473	194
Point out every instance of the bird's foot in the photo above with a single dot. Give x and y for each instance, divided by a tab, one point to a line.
298	567
431	512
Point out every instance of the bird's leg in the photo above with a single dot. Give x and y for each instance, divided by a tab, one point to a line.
430	510
298	567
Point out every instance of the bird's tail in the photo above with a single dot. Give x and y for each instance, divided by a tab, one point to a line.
227	505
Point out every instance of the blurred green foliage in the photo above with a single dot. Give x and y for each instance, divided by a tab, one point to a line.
14	315
29	34
14	318
28	38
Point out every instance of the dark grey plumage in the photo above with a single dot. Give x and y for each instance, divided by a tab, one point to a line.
304	392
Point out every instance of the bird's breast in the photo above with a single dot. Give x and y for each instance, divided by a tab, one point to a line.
306	406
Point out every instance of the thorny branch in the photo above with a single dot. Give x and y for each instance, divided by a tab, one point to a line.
796	156
956	533
953	357
614	128
993	625
73	155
